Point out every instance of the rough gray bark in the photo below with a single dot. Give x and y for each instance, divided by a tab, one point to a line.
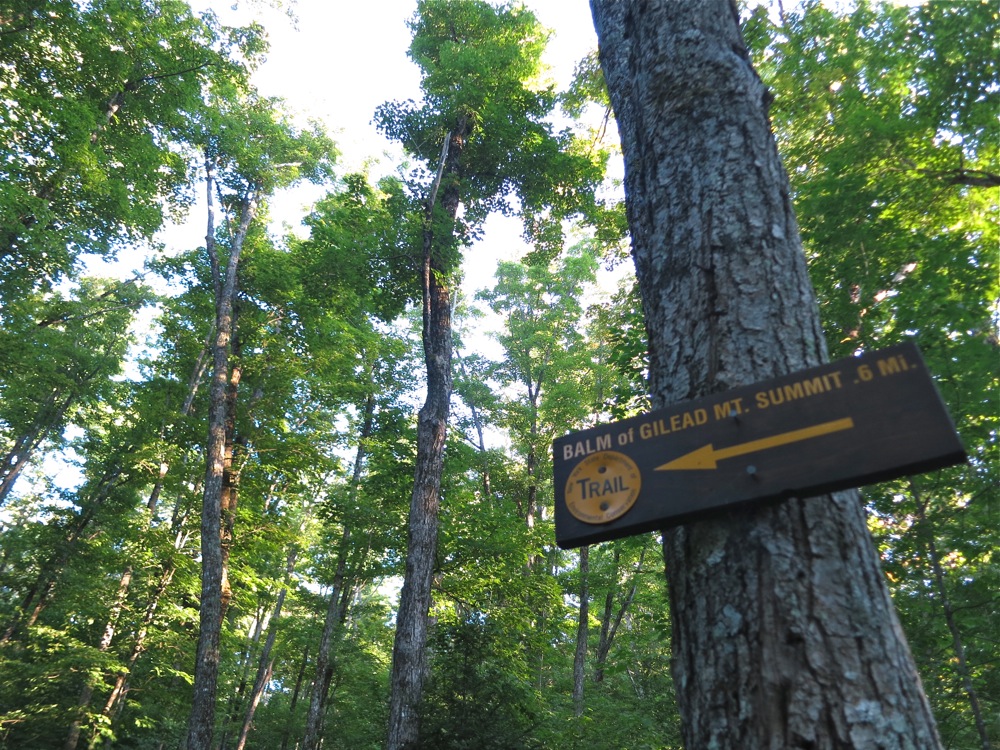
409	657
784	632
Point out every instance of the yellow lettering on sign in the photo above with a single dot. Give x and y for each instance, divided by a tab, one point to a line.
586	447
892	365
800	389
728	409
708	457
675	423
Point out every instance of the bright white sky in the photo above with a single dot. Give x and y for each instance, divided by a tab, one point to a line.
342	58
348	56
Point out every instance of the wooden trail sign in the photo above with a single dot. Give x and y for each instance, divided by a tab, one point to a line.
852	422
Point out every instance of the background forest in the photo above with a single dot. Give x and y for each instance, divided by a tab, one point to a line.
292	361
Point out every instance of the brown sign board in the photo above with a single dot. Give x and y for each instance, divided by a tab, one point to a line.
859	420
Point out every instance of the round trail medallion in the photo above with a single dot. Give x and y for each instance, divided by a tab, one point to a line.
603	487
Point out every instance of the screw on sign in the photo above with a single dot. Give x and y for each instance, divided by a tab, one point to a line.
851	422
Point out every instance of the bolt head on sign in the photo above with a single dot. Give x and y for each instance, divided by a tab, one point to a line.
859	420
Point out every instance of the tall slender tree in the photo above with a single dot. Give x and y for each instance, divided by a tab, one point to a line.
251	151
482	135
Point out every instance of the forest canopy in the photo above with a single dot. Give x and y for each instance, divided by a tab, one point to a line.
279	373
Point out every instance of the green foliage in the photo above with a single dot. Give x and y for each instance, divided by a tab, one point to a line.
886	121
618	326
359	257
886	118
478	696
499	110
100	101
255	146
588	87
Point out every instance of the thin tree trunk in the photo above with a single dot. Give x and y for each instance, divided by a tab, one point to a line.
299	679
24	447
609	626
116	698
582	629
784	633
119	691
477	421
126	580
201	723
235	707
105	643
264	669
409	657
38	596
531	464
337	607
259	621
962	664
324	669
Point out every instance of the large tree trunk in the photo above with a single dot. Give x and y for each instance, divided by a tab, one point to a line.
409	658
784	632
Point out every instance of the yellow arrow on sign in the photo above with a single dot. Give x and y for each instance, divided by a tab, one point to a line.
707	457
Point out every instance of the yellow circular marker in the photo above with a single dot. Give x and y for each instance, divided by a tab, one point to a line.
603	487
